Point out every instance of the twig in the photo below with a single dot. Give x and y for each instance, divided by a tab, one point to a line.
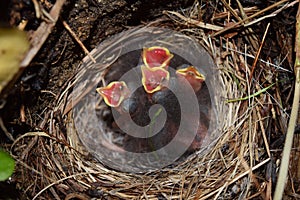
8	134
231	10
195	22
257	55
41	34
263	132
58	181
78	41
276	66
283	172
248	18
22	114
224	14
37	8
237	178
249	31
29	134
32	170
273	14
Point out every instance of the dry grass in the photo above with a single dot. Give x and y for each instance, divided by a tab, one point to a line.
52	163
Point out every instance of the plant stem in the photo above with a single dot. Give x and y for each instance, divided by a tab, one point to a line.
283	172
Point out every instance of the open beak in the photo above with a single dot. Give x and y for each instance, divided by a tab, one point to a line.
154	79
192	75
156	57
114	93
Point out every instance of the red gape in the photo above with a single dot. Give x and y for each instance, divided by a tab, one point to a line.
156	57
114	93
154	79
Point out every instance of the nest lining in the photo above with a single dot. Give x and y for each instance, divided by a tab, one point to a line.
63	166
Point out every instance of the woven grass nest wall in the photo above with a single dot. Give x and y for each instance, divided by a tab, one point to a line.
240	163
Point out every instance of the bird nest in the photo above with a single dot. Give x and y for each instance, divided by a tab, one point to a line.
118	60
81	159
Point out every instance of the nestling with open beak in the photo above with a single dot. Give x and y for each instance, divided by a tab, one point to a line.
117	95
192	75
154	79
114	93
157	57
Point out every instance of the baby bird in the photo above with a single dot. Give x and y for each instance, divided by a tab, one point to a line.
196	80
154	79
114	93
118	96
156	56
192	75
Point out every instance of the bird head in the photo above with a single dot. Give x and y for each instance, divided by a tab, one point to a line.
156	57
192	75
114	93
154	79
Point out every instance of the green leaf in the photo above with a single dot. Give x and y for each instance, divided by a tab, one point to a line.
7	165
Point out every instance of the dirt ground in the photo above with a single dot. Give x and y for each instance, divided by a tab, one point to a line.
93	21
